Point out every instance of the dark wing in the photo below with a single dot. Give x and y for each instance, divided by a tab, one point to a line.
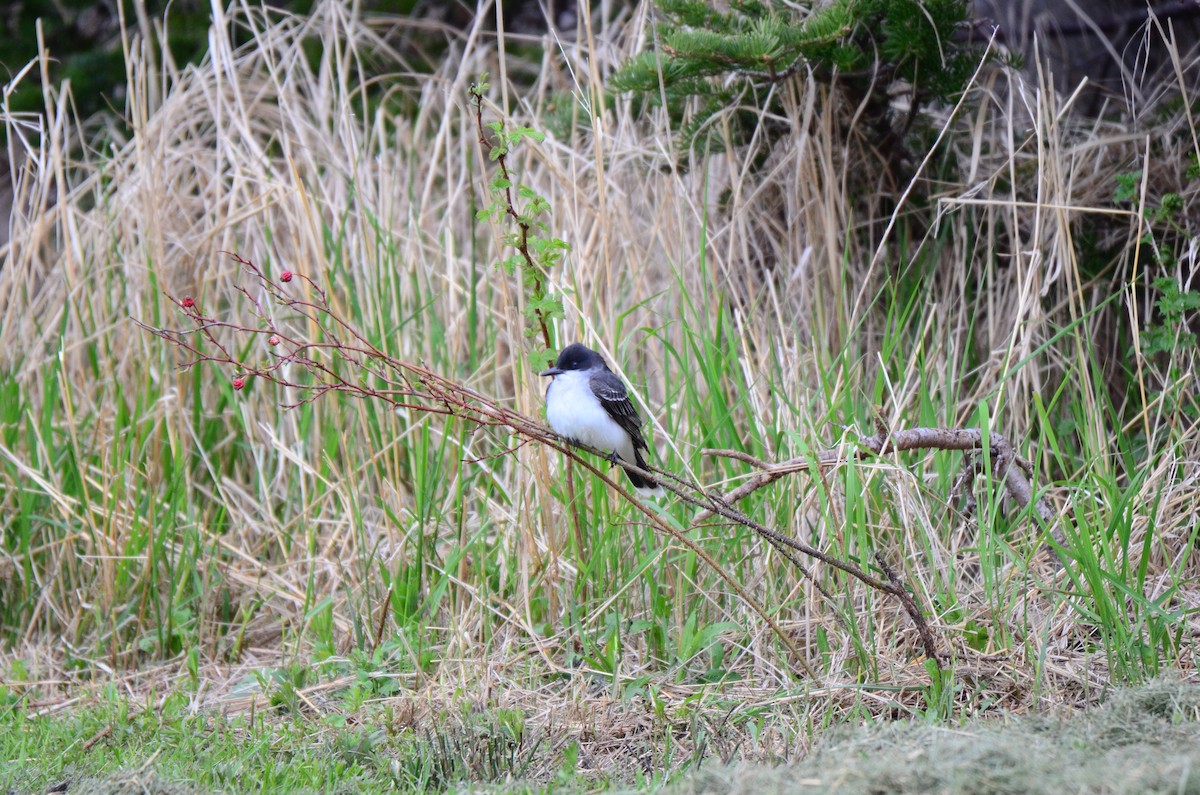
608	387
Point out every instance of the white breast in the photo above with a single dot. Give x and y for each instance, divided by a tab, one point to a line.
576	413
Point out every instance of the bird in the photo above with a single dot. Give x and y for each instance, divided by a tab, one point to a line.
588	404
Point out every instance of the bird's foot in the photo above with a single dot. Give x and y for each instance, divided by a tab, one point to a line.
613	458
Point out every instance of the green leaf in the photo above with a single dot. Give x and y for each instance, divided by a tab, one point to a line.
517	133
546	306
1170	206
1127	187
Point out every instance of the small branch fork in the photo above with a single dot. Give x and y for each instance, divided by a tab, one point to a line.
1014	471
343	360
722	506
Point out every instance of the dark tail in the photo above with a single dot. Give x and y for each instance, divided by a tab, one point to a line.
639	482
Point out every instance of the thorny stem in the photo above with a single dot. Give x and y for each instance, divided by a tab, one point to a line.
511	209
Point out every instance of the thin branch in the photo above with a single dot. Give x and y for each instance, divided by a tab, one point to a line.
429	392
1008	467
522	244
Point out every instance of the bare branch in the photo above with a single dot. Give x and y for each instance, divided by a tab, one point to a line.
1007	466
422	390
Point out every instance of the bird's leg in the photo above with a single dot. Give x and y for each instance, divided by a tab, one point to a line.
613	458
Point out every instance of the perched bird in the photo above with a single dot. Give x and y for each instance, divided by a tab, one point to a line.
588	403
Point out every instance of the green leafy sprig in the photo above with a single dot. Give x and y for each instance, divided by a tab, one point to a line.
536	250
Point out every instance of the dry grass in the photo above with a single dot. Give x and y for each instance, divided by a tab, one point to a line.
1142	740
743	305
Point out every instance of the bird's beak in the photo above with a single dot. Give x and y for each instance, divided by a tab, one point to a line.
551	371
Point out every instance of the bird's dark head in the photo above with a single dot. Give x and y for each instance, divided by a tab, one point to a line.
576	356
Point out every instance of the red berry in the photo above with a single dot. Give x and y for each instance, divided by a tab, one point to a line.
286	276
274	340
188	303
239	382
